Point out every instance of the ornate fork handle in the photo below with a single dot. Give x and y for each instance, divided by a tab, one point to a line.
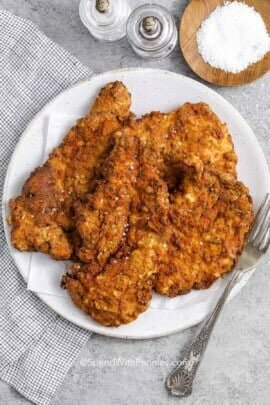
181	379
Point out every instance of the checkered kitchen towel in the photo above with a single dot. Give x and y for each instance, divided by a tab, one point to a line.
37	347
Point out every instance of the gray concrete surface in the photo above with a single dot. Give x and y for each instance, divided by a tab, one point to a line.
236	368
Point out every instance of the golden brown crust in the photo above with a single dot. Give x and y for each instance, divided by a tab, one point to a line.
178	152
192	128
205	136
42	217
210	216
101	221
115	285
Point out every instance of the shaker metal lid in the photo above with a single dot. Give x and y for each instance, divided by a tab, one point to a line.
150	28
105	19
102	6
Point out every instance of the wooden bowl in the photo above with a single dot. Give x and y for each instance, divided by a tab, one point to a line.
195	13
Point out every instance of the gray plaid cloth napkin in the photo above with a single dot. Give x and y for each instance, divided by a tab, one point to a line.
37	347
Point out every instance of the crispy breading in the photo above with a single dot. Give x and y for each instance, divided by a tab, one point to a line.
120	240
130	235
210	216
101	221
192	128
42	216
176	239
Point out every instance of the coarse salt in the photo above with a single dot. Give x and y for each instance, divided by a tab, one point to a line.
233	37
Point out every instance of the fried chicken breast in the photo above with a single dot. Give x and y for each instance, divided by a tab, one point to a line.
136	229
101	221
120	243
210	216
192	128
42	216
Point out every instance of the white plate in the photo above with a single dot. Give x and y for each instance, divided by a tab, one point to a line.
151	90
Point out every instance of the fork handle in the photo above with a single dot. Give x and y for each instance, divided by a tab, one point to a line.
180	381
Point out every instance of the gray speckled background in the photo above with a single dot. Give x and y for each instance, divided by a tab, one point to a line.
236	368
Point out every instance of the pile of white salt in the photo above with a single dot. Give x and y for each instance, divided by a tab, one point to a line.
233	37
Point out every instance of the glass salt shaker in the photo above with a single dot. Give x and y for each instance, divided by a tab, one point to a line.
151	31
105	19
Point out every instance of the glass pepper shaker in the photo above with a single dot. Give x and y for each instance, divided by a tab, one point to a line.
105	19
151	31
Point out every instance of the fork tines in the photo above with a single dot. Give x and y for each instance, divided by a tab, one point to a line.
260	234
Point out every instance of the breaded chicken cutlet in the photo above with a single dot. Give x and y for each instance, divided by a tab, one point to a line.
42	216
115	225
129	239
210	215
192	128
136	233
119	246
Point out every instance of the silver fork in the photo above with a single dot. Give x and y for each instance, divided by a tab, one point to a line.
180	381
